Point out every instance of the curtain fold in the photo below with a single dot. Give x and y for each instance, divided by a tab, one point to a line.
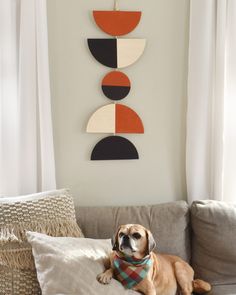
27	155
8	96
208	76
229	174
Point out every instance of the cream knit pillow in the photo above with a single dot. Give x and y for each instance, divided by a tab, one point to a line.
51	213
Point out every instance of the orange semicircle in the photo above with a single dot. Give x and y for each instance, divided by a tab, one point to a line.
117	23
127	120
116	78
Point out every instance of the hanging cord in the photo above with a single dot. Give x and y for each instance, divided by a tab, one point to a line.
116	8
116	5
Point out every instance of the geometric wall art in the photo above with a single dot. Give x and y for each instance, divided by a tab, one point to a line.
117	23
116	85
115	118
115	53
114	148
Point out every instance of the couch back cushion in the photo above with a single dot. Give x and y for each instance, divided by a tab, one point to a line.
168	222
214	241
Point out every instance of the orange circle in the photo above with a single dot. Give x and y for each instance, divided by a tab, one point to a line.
116	85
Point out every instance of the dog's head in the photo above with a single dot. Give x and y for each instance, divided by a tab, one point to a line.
133	240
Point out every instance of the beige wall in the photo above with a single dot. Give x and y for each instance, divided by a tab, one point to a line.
158	95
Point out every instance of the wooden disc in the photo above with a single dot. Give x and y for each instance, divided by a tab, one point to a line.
116	85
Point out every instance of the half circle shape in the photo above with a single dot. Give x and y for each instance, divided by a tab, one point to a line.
116	53
114	148
117	23
127	120
115	118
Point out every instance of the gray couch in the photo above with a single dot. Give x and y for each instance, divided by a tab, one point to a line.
204	235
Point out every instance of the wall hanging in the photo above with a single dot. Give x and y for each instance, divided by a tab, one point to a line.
116	53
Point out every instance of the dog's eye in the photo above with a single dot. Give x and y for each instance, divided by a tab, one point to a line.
137	236
121	234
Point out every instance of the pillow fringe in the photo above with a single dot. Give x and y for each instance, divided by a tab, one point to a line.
17	232
18	259
7	235
21	258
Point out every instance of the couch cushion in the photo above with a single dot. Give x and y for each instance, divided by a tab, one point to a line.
223	290
168	222
214	241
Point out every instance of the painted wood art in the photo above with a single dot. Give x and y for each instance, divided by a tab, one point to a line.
116	85
115	53
114	148
117	23
115	118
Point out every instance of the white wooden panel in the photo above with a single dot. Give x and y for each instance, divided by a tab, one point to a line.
103	120
129	51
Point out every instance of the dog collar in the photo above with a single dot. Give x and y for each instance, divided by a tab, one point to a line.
130	271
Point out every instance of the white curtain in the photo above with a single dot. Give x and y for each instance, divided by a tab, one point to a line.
26	139
211	123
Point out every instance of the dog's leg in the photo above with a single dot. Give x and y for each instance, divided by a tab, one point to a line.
105	277
200	286
184	276
150	289
146	288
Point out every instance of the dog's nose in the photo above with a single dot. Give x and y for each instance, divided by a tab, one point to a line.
126	241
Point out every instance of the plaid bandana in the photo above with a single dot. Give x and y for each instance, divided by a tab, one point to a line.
131	271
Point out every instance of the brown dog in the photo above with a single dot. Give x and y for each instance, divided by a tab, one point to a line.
134	264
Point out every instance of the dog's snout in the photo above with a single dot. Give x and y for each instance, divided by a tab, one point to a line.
126	241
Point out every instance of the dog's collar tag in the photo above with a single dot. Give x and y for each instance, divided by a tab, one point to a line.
131	271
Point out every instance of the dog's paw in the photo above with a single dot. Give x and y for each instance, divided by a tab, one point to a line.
105	277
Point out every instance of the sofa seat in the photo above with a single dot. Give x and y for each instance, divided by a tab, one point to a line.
204	234
223	290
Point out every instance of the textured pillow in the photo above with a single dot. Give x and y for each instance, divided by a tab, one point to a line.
214	241
52	213
69	266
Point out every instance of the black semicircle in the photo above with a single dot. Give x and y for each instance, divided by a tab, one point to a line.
116	92
114	148
104	51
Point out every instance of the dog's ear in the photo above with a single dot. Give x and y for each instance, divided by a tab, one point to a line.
151	244
114	240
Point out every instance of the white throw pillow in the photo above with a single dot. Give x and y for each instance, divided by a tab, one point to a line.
71	265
